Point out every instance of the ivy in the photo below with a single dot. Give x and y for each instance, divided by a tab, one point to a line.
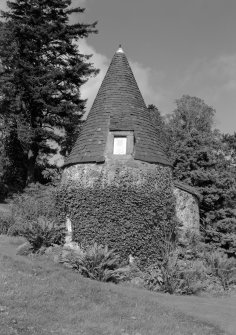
131	210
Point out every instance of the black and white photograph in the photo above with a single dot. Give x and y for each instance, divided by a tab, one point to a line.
117	167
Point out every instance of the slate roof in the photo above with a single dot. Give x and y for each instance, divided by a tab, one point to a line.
187	188
118	105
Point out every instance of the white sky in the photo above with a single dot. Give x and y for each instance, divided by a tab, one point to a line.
175	47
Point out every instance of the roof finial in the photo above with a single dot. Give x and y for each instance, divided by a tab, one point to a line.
120	50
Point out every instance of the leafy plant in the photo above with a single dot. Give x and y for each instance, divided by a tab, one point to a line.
192	277
222	267
42	233
175	274
6	222
37	200
96	262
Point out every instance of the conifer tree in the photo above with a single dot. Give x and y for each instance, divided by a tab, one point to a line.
42	71
201	159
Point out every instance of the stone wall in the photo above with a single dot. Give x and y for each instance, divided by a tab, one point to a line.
140	178
125	204
114	170
187	209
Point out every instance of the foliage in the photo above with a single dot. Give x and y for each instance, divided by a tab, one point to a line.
202	159
222	267
42	70
35	216
192	246
96	262
174	274
190	268
42	233
12	173
6	222
36	201
229	142
191	114
52	175
130	212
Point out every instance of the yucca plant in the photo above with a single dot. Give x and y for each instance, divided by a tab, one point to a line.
97	262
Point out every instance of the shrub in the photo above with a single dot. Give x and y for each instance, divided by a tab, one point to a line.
96	262
42	233
175	273
6	222
34	212
3	190
192	277
37	200
222	267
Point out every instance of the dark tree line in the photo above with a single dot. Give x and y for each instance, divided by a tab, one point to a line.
42	70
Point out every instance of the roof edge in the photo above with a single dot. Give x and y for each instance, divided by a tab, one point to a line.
188	188
154	161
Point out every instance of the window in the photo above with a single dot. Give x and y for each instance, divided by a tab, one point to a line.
120	146
120	143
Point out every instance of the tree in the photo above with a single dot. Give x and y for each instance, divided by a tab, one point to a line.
192	113
200	159
229	141
42	73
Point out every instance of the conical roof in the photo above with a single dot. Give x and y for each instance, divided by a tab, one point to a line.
118	105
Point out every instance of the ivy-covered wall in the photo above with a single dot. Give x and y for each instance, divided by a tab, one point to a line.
128	205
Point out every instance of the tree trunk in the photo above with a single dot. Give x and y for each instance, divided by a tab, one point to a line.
32	156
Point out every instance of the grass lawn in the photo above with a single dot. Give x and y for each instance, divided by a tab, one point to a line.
40	297
5	208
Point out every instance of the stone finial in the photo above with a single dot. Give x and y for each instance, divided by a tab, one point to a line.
120	50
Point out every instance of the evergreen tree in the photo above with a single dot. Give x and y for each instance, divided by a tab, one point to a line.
201	159
42	73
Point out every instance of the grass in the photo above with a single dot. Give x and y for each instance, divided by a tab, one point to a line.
5	208
39	297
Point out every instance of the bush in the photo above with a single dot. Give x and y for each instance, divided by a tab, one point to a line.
3	190
191	268
35	216
42	233
36	201
175	273
222	267
96	262
6	222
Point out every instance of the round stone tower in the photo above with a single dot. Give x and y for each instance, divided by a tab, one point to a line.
117	186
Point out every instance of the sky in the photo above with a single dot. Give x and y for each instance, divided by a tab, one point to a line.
174	47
